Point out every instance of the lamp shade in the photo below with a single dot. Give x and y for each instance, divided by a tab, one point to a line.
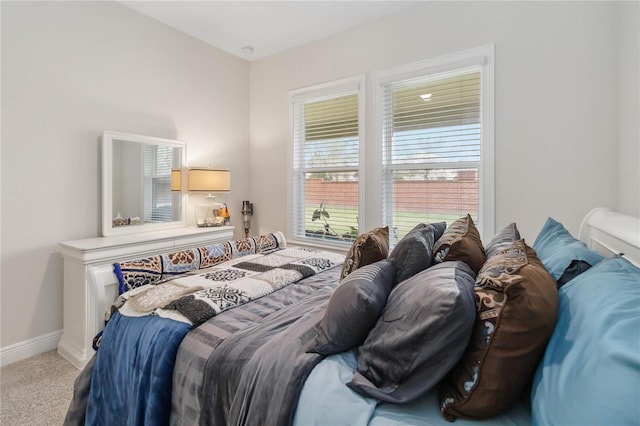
209	180
176	180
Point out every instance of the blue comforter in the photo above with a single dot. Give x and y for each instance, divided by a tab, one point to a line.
132	352
327	400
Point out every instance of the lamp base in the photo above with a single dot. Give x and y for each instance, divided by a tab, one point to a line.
208	215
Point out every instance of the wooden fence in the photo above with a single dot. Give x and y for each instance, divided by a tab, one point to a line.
434	196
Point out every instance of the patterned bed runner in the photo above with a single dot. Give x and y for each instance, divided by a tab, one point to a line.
196	298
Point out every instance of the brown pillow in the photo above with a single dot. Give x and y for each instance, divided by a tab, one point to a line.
517	304
368	248
461	241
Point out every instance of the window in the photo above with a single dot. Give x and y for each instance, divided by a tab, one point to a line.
436	141
326	162
160	201
431	148
427	157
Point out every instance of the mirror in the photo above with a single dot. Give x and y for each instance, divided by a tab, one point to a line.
138	175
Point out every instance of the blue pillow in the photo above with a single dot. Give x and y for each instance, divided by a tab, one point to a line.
590	372
557	248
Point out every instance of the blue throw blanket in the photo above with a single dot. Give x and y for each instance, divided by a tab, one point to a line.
132	353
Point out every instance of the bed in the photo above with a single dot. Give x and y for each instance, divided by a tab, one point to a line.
427	332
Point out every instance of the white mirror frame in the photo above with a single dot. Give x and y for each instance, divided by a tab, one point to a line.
107	184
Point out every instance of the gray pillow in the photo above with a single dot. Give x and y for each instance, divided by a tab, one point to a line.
354	308
502	240
414	252
422	333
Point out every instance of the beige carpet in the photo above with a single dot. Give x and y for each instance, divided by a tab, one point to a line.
36	391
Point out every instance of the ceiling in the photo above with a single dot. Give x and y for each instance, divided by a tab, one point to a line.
267	27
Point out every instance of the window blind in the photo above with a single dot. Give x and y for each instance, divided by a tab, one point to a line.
431	149
326	167
158	203
331	118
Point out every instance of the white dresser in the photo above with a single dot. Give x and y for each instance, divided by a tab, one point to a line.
90	285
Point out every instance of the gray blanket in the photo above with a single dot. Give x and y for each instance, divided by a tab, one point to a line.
193	360
255	376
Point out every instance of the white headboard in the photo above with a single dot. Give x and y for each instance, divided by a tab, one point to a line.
612	233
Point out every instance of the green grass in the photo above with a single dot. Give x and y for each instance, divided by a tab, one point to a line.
341	217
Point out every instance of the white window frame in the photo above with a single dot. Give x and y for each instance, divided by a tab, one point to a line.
151	182
325	90
482	56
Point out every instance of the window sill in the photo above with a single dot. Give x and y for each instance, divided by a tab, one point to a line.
319	243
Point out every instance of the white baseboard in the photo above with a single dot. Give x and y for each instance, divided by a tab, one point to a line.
28	348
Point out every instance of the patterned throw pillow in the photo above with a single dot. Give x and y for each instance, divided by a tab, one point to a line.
368	248
243	247
461	241
180	262
214	254
517	304
155	269
270	242
138	272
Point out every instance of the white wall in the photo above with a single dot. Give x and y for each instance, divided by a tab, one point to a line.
556	99
69	71
629	107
